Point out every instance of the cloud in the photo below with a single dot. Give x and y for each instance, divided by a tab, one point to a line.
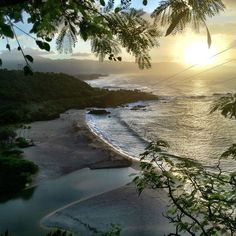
30	51
233	43
227	29
230	3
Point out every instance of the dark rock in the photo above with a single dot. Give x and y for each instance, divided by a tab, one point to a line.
138	107
99	112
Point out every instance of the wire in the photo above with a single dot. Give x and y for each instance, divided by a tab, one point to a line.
23	31
202	72
194	65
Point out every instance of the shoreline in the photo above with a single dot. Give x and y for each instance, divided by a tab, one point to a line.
104	144
67	144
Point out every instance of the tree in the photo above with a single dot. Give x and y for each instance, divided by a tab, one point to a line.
7	136
109	27
202	200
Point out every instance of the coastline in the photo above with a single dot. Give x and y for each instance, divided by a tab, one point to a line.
67	144
102	143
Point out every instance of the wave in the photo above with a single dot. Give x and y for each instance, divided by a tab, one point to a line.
119	136
133	132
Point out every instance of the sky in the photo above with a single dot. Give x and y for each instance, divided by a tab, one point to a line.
188	47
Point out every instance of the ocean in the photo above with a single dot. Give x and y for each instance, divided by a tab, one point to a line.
180	116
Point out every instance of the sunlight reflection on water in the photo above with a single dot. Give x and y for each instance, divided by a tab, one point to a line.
181	117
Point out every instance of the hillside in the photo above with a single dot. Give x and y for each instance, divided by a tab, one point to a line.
45	95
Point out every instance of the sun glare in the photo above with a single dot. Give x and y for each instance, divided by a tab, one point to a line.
199	53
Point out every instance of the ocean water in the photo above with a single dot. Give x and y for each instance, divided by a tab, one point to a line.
181	117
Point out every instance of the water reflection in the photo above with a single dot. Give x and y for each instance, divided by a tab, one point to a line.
22	215
24	195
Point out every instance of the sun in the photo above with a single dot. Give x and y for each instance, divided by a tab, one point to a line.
199	53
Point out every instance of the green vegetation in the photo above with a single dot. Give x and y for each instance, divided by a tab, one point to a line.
7	136
45	95
15	172
40	97
207	207
202	200
109	25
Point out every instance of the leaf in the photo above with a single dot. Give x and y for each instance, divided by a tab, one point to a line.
48	39
117	9
29	58
46	46
6	30
175	22
40	44
19	48
8	47
145	2
119	58
27	70
102	2
209	41
43	45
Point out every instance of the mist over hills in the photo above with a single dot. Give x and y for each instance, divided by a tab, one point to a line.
75	66
13	60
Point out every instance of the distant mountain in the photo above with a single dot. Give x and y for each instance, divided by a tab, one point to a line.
78	67
74	66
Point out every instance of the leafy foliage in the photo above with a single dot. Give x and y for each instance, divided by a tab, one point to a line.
7	135
226	105
15	172
202	201
107	25
45	95
177	14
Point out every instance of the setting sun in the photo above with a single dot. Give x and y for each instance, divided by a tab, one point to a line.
199	53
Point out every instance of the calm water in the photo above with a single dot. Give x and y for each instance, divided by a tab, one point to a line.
181	117
22	215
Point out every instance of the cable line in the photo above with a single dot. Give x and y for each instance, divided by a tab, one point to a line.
194	65
202	72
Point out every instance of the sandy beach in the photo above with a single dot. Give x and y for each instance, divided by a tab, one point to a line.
65	145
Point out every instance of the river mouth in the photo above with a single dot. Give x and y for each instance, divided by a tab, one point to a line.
22	215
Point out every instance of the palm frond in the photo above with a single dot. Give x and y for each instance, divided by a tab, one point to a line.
226	105
178	13
66	39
